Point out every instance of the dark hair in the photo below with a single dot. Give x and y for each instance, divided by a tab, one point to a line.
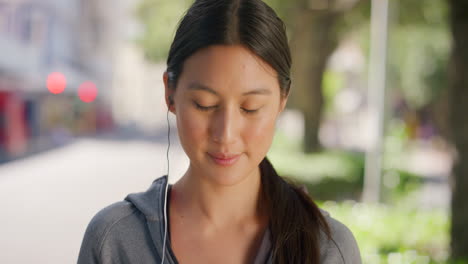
296	222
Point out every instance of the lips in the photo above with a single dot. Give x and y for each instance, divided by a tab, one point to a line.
224	159
220	155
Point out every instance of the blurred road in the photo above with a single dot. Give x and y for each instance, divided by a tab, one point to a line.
47	200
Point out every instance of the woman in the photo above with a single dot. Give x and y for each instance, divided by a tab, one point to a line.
227	81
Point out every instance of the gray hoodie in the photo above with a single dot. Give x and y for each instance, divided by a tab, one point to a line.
132	231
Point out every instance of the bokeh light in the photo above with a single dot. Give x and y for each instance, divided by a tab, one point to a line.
56	82
87	92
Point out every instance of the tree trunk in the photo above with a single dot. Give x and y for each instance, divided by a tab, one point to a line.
458	85
314	38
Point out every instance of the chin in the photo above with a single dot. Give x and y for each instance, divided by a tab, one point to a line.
225	176
229	176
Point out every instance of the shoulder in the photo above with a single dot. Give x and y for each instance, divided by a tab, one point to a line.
105	219
105	222
342	247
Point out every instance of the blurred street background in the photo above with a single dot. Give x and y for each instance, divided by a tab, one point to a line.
375	124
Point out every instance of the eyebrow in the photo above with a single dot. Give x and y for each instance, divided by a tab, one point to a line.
199	86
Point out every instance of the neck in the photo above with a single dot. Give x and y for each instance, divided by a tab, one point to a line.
220	206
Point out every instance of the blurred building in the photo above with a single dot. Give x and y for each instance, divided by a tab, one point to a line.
138	90
38	37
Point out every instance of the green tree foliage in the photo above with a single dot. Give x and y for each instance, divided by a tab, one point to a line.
419	44
419	48
160	19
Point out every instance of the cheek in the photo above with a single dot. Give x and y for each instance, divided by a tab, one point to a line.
191	129
259	135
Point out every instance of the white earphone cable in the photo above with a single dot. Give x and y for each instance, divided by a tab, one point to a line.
165	193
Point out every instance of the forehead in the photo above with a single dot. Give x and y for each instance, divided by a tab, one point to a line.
228	69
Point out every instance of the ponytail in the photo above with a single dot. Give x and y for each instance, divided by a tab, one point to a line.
296	222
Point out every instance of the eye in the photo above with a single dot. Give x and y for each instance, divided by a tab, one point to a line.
203	108
208	108
249	111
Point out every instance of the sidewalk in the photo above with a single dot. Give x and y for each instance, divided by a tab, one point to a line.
48	199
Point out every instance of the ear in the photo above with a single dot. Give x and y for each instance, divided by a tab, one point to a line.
168	92
283	102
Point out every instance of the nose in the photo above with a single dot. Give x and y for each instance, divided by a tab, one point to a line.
224	127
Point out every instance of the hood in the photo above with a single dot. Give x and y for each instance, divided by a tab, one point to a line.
151	201
324	213
151	204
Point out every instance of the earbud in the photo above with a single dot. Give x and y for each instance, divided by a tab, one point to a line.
171	101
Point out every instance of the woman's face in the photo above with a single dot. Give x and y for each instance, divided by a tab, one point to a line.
227	102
